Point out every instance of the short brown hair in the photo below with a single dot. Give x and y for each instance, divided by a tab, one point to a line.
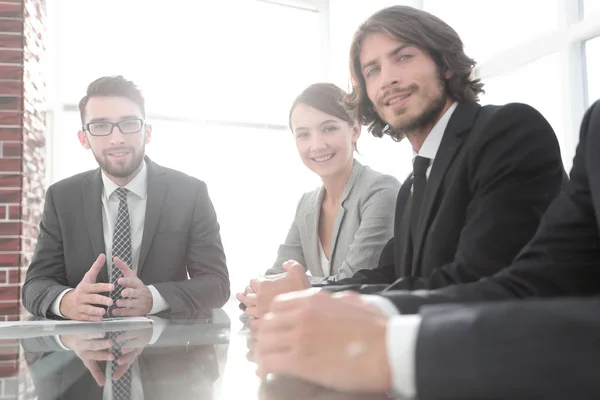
430	34
116	86
327	98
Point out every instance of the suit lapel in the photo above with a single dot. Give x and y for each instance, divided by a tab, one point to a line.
461	121
92	206
311	233
157	189
354	174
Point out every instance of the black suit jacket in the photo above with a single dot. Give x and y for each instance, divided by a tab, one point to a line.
563	259
538	349
181	237
495	173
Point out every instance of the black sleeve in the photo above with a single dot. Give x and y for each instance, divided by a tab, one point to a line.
539	349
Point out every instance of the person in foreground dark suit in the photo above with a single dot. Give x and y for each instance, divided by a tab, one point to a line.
125	236
544	345
483	175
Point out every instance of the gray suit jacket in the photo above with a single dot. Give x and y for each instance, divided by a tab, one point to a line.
181	237
364	223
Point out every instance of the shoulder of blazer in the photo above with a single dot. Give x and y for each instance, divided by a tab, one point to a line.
370	180
73	185
495	119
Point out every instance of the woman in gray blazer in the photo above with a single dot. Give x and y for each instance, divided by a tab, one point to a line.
342	226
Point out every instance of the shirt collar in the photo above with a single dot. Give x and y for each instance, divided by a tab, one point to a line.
138	185
430	146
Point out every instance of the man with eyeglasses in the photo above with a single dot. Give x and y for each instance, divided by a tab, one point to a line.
130	238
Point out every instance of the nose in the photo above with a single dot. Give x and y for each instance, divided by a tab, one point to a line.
389	76
318	143
116	137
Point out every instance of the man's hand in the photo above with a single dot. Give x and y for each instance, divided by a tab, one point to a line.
266	288
137	298
90	348
334	340
81	303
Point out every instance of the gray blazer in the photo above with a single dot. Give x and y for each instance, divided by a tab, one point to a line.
181	252
364	223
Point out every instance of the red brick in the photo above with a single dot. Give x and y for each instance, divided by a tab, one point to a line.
11	103
10	228
9	259
11	9
11	41
10	244
12	149
10	165
8	293
10	308
10	181
11	25
11	57
11	72
14	212
3	275
12	88
14	276
7	371
10	133
11	118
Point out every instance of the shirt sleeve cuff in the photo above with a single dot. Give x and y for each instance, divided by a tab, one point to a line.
401	340
158	327
158	302
60	343
383	304
55	307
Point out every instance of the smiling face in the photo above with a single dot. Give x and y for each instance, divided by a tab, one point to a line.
403	83
120	155
325	143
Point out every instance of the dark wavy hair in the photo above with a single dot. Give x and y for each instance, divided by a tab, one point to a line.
426	32
116	86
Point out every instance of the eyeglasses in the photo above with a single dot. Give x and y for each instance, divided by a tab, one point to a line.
106	128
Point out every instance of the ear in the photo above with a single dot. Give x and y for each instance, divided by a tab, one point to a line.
148	128
448	74
83	140
356	130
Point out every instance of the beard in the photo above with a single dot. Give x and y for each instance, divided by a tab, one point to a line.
426	118
121	169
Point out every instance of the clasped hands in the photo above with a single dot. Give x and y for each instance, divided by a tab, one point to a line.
94	347
83	303
337	340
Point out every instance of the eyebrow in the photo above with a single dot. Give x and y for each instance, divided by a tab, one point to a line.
123	118
389	55
329	121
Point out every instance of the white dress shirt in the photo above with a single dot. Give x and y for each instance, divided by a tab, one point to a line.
325	263
402	330
432	142
136	203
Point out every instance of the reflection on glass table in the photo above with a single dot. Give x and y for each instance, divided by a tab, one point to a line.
201	355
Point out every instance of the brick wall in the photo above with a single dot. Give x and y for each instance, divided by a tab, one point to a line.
22	167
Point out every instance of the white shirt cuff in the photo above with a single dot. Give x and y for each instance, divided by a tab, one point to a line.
158	327
158	302
384	305
55	307
60	343
401	340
